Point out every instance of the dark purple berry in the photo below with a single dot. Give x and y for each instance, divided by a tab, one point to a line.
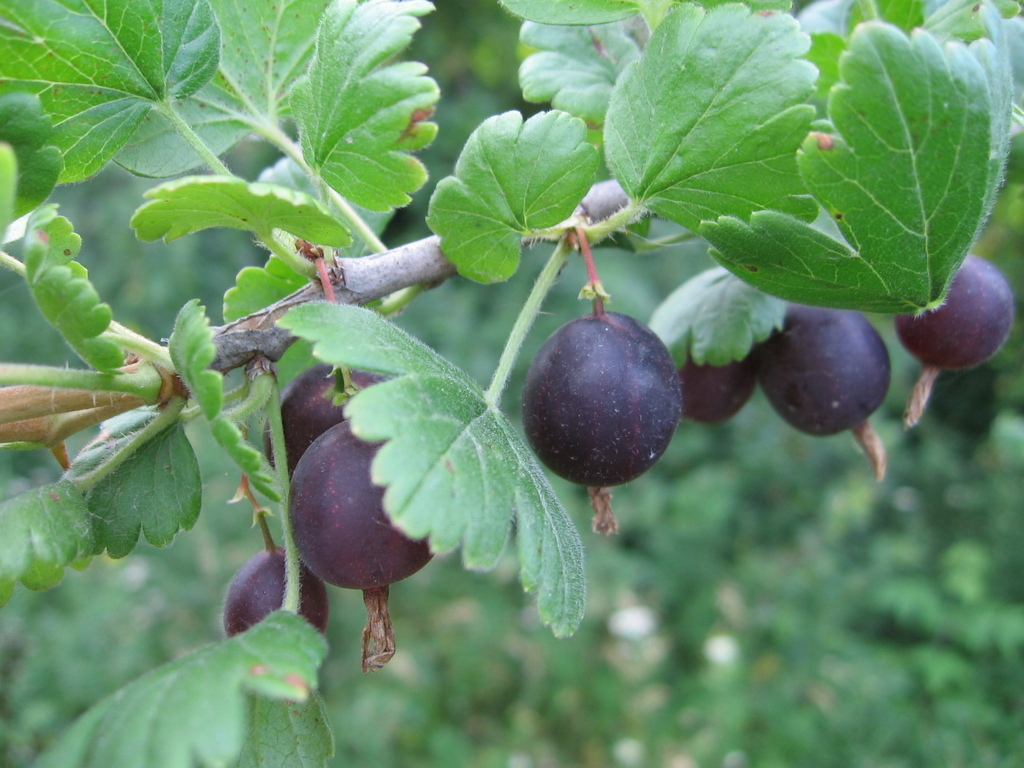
308	410
715	393
969	327
826	371
601	400
341	530
257	590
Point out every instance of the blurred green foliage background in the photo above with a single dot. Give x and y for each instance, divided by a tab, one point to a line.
766	604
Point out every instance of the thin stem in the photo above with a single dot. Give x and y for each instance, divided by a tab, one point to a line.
593	290
147	349
619	220
400	299
527	315
11	263
192	139
164	419
291	555
145	382
325	281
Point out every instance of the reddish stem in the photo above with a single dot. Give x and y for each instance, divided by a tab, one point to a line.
594	281
325	280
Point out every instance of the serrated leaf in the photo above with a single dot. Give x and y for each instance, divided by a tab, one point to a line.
511	178
259	287
193	710
577	12
25	126
42	531
251	461
284	734
708	121
194	203
99	68
715	318
358	114
157	492
62	290
455	469
575	67
192	351
909	177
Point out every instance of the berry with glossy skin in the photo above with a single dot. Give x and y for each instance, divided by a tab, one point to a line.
969	327
341	530
257	590
826	371
601	400
308	410
715	393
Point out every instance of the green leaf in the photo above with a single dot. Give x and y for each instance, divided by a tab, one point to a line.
6	591
708	122
193	710
454	467
259	287
264	47
905	14
716	318
157	150
359	114
156	491
42	530
63	292
512	178
577	12
284	734
192	351
251	461
575	67
826	48
188	205
99	68
909	177
25	126
967	20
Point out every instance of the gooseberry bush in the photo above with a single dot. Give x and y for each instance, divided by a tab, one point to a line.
839	160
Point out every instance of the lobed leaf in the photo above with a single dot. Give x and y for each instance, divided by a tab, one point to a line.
511	179
100	67
716	318
708	121
192	351
575	67
26	128
285	734
455	469
42	531
157	492
909	176
194	203
259	287
358	114
62	290
193	710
